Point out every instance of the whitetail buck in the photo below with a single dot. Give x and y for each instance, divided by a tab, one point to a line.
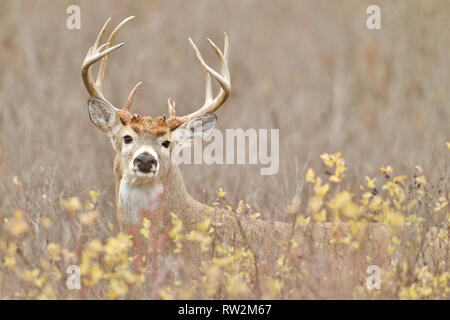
148	180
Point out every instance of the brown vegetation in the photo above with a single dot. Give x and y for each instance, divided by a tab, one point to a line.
310	68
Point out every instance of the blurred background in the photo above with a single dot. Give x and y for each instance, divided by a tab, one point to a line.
310	68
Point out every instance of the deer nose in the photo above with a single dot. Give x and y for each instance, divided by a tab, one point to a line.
145	162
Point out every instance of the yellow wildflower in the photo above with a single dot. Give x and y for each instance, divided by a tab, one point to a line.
9	262
88	218
422	180
310	176
320	217
16	181
94	195
17	225
371	182
54	251
221	193
387	171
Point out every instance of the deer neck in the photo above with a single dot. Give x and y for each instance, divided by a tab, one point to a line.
162	197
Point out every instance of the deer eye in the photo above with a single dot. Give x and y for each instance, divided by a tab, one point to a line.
127	139
166	144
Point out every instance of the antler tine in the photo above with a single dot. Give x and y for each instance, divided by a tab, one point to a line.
171	108
131	97
208	85
104	63
224	78
211	105
101	33
223	82
93	55
101	52
92	58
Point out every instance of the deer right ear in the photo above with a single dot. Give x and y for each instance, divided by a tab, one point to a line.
103	115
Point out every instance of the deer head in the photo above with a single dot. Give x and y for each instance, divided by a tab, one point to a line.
145	145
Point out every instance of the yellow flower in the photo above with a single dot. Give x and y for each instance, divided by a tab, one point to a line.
319	189
96	274
339	173
89	206
400	179
71	204
94	195
95	246
145	232
54	251
302	221
320	217
116	248
16	181
177	226
204	225
371	182
221	193
30	275
46	222
396	240
448	145
422	180
146	223
441	204
239	208
17	225
88	218
9	262
12	248
394	219
327	159
166	294
388	170
310	176
315	203
340	200
204	240
255	216
117	288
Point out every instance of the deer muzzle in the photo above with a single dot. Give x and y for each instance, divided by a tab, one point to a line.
145	163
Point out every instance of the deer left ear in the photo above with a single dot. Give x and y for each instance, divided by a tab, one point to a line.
103	115
194	131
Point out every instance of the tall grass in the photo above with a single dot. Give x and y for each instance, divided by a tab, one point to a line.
310	68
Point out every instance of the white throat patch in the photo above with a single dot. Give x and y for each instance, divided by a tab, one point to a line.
134	201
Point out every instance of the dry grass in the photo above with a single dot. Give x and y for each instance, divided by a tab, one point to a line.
310	68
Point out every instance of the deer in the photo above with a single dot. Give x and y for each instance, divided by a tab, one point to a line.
148	180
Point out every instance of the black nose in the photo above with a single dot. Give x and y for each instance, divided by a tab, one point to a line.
145	162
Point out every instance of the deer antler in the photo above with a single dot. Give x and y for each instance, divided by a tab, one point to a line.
211	104
101	52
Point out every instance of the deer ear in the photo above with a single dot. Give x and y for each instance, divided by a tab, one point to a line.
194	131
103	115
